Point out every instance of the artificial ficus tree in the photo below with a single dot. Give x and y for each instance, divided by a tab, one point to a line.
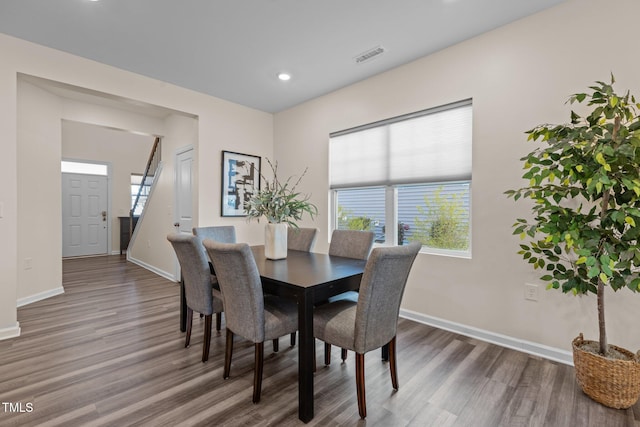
584	181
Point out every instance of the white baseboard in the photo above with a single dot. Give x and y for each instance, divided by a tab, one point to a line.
536	349
551	353
152	268
39	297
10	332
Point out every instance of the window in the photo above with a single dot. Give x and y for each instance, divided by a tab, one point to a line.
362	209
83	168
413	171
136	183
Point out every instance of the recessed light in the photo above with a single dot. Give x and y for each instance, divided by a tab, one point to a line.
284	76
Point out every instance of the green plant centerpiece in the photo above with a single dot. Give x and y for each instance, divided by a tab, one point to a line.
584	182
282	205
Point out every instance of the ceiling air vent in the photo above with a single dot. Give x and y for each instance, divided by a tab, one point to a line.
369	54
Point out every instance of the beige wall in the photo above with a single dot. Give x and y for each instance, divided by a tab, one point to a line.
125	152
8	203
221	125
518	76
39	207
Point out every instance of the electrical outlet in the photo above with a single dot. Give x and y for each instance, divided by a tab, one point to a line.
148	243
28	263
531	292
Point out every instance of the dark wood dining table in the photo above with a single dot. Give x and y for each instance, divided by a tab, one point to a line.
308	278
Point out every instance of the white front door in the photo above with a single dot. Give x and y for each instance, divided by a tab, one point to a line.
84	214
184	191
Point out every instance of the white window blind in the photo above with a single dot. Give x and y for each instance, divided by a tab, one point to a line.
428	146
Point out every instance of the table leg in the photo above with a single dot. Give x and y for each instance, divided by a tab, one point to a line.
305	358
183	308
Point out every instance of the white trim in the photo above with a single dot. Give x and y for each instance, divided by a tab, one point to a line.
449	252
550	353
11	332
152	268
40	296
176	214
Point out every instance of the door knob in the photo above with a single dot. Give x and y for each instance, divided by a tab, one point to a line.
176	224
104	215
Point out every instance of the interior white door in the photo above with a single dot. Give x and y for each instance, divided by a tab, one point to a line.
84	214
184	191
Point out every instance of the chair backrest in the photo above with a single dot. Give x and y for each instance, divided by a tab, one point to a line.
301	239
241	288
381	289
351	243
195	271
219	233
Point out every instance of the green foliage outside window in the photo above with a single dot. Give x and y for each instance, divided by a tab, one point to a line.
443	222
348	222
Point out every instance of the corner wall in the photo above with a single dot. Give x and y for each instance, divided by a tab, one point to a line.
159	216
222	125
518	76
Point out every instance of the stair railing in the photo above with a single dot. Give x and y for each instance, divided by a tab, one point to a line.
147	180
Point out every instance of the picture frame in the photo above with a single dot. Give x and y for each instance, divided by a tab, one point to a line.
240	180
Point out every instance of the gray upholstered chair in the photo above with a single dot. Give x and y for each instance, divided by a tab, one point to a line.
248	312
371	322
219	233
301	239
349	244
226	234
199	289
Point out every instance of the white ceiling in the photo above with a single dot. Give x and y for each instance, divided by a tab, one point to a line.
233	49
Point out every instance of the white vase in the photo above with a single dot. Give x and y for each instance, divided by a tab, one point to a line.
275	241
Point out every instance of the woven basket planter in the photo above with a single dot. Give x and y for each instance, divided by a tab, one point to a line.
614	383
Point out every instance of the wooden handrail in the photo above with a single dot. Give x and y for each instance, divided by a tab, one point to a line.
150	170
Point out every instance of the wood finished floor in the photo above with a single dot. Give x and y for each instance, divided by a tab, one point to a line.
108	352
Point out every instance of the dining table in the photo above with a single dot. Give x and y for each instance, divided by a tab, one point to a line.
309	278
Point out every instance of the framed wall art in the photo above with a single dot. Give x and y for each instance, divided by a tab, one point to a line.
240	180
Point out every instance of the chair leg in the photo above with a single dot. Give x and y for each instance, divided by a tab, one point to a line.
227	354
189	326
384	353
343	354
293	339
362	402
392	363
327	354
257	371
207	337
218	321
276	345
